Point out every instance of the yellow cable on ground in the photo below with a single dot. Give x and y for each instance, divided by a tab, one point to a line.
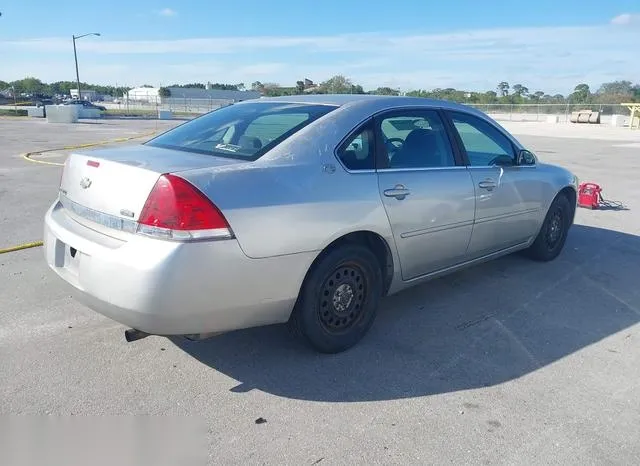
21	246
27	156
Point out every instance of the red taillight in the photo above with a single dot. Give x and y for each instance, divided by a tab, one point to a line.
177	209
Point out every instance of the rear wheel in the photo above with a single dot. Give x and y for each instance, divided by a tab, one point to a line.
339	299
553	234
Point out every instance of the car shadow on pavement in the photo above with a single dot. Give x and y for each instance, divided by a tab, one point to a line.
489	324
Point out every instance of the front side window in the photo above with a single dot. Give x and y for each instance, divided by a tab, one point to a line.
485	145
415	139
244	131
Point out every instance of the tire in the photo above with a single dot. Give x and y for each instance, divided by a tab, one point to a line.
339	299
553	234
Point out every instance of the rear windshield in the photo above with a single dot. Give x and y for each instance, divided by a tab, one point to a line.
243	131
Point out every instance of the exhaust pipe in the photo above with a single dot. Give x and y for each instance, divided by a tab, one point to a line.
133	334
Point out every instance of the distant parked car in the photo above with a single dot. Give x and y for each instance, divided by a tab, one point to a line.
85	104
42	102
301	209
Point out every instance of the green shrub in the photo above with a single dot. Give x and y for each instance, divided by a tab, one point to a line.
12	112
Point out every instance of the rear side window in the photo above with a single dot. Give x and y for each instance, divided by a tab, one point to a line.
357	151
244	131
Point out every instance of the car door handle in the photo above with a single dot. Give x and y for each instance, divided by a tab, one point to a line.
399	192
487	184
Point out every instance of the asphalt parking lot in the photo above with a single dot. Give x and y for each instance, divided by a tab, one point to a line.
511	362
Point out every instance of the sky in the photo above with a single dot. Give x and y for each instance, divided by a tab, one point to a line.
548	45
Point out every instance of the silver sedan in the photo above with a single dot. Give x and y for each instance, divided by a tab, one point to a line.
302	209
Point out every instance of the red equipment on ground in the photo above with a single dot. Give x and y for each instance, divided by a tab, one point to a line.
589	195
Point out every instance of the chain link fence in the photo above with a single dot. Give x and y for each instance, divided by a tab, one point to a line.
542	112
190	107
150	107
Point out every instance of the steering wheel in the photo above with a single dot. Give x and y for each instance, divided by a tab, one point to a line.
394	144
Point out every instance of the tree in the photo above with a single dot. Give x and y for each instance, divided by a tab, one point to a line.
385	91
503	88
339	84
520	90
29	85
257	86
272	90
299	87
224	87
581	94
164	92
617	88
537	96
489	97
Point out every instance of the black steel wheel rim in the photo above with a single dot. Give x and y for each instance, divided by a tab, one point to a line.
554	229
342	297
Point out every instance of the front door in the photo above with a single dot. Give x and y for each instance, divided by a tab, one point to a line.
508	196
428	194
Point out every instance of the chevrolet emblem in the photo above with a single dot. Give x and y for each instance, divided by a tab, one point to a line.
85	182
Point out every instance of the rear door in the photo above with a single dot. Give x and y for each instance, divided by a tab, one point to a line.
508	195
426	190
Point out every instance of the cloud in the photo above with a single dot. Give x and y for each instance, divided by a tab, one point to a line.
626	18
167	12
552	59
485	43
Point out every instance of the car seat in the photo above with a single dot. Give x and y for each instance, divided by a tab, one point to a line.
420	149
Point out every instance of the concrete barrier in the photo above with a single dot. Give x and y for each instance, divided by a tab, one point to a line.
35	112
618	121
62	113
585	116
553	119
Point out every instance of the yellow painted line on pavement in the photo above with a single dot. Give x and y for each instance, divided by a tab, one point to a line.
21	246
29	155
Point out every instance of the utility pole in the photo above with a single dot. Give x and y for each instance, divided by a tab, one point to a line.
75	56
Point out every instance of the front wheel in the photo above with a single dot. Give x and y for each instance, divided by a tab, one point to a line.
553	234
339	299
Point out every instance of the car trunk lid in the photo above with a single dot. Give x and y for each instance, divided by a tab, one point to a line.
109	187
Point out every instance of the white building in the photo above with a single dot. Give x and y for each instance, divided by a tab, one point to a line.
87	94
186	99
143	94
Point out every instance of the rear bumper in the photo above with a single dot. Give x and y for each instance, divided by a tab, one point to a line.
171	288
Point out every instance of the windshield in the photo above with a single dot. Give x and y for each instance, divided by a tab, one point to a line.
244	131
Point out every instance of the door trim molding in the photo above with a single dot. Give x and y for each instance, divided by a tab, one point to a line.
450	226
502	216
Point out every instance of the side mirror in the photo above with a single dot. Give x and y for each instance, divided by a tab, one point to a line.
526	158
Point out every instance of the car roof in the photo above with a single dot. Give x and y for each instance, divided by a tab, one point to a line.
379	101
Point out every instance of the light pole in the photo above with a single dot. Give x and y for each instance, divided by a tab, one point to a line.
75	55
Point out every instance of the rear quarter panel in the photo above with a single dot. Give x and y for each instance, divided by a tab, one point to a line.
297	198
